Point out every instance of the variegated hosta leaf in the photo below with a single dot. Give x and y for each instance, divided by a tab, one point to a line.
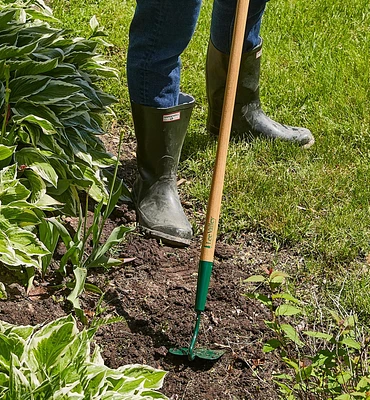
15	256
36	185
46	126
8	174
26	242
6	151
34	159
26	108
25	86
54	361
13	191
20	215
7	52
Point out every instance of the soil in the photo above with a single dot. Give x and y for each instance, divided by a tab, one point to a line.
154	291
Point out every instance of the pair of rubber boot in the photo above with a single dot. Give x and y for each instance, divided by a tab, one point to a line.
160	134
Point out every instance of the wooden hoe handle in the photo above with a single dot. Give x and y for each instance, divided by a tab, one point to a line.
215	198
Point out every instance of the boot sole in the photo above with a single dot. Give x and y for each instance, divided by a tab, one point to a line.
165	238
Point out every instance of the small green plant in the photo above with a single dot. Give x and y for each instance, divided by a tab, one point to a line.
330	363
54	361
77	255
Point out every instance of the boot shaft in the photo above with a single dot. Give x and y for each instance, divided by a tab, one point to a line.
248	80
160	134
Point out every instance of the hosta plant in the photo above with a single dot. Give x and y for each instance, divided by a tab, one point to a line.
20	211
51	106
51	110
54	361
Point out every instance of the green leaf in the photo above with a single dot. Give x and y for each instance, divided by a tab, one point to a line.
8	174
13	192
103	262
153	378
48	53
73	253
291	363
304	374
102	159
93	288
276	275
49	236
36	185
343	377
351	343
2	94
6	16
33	159
46	126
30	67
8	52
27	85
271	345
286	296
94	24
286	309
47	345
80	277
292	334
344	396
260	297
97	189
54	91
114	238
26	241
66	237
6	152
319	335
364	383
283	376
47	203
113	198
255	278
62	70
21	216
25	108
42	16
3	296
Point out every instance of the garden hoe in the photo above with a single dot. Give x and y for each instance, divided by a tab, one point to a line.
214	202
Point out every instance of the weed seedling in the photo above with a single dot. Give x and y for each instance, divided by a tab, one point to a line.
330	363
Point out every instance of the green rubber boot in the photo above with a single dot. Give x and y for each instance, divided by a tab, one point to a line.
249	119
160	134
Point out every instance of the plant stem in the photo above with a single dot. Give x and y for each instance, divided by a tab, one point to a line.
106	211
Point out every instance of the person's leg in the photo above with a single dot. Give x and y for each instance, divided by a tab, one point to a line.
223	16
159	33
249	118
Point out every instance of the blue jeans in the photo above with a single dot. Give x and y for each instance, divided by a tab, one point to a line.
161	30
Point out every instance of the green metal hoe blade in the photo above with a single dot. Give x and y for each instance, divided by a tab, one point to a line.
191	352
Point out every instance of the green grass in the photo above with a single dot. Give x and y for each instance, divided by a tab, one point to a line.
315	73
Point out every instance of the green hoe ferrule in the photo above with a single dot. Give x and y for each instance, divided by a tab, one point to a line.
204	277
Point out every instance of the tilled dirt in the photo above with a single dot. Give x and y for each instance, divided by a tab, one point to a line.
154	291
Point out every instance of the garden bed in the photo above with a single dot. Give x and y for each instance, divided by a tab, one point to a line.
154	291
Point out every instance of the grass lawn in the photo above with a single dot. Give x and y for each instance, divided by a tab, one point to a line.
315	73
